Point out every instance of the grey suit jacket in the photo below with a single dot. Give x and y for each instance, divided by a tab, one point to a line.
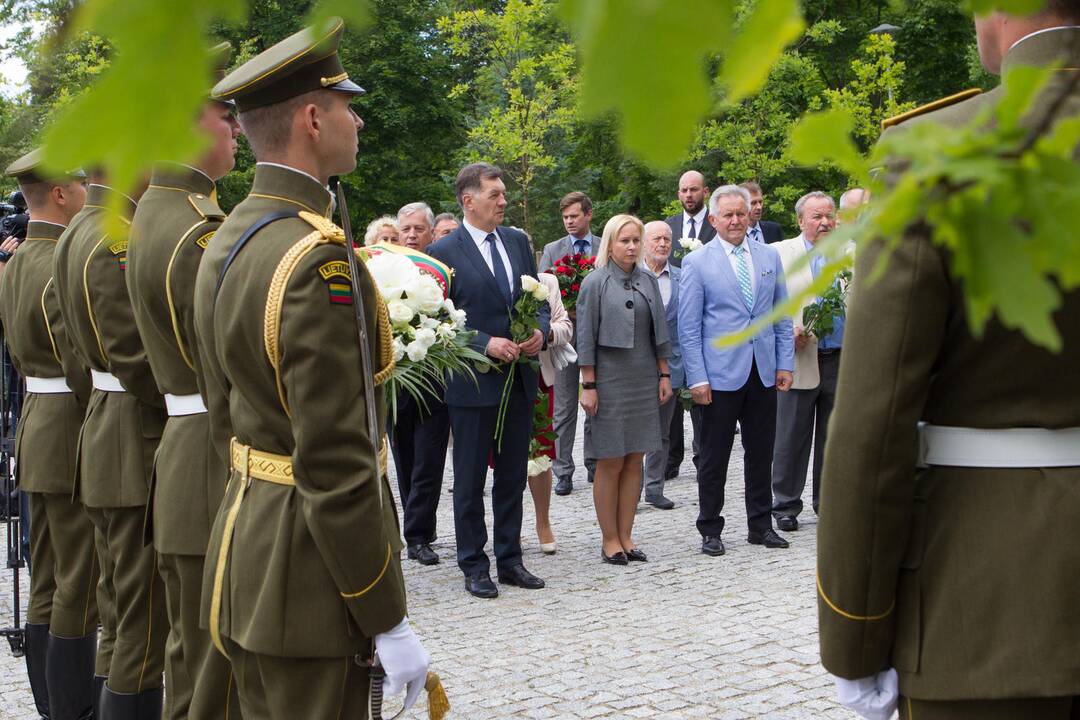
556	250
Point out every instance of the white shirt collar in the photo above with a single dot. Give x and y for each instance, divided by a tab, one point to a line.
109	187
665	269
1040	32
295	170
699	219
478	235
729	249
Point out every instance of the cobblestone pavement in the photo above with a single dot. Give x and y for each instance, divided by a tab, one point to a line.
682	636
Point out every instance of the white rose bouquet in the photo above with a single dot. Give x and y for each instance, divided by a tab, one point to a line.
430	337
524	322
686	246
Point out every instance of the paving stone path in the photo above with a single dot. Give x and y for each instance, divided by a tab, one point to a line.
683	636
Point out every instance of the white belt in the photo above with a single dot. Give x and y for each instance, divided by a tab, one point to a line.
47	386
106	381
184	404
998	448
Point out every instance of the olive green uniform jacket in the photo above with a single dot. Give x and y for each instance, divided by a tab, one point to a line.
46	444
121	429
171	228
310	570
964	579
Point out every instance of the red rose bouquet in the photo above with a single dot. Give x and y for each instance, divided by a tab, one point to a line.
571	271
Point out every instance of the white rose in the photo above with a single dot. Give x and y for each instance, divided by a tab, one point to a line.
425	337
393	274
426	296
538	465
540	292
400	313
529	283
533	468
399	349
446	332
448	305
689	244
459	317
426	321
416	350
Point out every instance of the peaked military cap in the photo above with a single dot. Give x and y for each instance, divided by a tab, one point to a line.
305	61
28	169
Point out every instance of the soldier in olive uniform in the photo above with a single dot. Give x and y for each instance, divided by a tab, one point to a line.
123	425
173	224
952	579
303	576
61	628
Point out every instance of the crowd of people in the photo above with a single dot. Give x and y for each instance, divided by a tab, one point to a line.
641	328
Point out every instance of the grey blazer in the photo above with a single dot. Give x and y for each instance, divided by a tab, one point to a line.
604	317
556	250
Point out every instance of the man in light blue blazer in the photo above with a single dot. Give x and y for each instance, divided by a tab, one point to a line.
655	261
726	286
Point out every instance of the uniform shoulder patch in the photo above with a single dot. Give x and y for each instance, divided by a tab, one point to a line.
203	239
338	281
119	249
206	206
930	107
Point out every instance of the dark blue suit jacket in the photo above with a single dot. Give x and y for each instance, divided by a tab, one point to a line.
473	290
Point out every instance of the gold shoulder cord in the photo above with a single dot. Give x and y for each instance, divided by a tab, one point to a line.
325	233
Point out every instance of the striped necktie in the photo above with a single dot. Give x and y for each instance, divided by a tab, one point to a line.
744	276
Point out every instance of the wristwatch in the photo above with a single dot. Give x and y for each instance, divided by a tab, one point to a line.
588	386
665	375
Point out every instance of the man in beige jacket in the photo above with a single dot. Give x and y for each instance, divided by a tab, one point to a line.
803	413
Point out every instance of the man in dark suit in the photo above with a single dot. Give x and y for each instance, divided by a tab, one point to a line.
421	431
692	222
488	261
765	231
576	211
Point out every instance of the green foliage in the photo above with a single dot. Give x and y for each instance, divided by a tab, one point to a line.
870	95
819	317
525	90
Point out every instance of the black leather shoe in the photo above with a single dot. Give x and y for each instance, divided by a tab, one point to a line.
565	486
480	586
768	538
712	545
671	473
423	554
636	555
519	576
787	523
661	503
618	558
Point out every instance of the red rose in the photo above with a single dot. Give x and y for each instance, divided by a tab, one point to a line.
575	287
564	293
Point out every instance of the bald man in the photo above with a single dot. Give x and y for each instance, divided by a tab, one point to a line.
692	222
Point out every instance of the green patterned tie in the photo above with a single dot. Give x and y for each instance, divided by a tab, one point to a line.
744	277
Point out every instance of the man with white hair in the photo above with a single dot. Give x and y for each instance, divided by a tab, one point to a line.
802	415
725	288
420	435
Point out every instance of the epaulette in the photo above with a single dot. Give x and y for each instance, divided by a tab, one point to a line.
930	107
206	206
326	228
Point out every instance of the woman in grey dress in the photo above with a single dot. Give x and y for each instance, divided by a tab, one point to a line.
623	347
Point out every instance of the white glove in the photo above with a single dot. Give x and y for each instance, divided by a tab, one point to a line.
874	697
405	661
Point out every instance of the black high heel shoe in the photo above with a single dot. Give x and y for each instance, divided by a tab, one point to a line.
618	558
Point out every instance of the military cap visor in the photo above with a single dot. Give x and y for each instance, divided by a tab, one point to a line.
298	64
28	169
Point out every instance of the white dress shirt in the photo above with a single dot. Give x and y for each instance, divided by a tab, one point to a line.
699	220
729	250
480	238
663	279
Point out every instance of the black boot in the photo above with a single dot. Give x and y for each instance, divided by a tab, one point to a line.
70	674
36	638
146	705
97	694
